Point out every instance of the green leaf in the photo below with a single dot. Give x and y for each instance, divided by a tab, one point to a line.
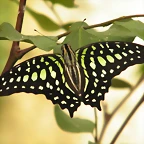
45	22
118	83
91	142
75	125
135	26
57	48
66	3
125	30
43	42
140	70
117	33
77	25
7	32
80	37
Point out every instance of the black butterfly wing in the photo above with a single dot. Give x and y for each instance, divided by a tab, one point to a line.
41	75
101	62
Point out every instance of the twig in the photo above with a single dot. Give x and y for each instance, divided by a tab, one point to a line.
108	117
113	20
104	23
96	130
127	119
15	45
128	95
15	52
64	34
14	56
54	12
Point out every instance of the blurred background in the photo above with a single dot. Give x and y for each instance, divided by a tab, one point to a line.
28	118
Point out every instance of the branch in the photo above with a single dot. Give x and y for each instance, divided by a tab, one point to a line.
104	23
128	95
15	52
113	20
127	119
108	117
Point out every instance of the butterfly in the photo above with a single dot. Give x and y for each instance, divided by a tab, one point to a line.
73	77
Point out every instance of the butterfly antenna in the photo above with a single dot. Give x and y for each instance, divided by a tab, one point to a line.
43	35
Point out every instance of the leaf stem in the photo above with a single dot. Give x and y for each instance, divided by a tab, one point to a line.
104	23
54	12
127	119
128	95
96	130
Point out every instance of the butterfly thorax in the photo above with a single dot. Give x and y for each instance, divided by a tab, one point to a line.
73	71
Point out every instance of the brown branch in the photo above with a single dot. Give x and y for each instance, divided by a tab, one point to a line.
108	117
113	20
96	128
127	119
15	52
20	15
104	23
14	56
128	95
62	35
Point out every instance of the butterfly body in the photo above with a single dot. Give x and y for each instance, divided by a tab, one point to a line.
72	77
73	71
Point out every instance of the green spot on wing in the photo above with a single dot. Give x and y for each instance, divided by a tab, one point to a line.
93	47
92	59
47	63
85	72
43	74
125	54
53	74
52	58
69	87
18	79
63	78
42	59
60	66
110	58
34	76
86	83
84	51
82	62
101	60
118	56
25	78
50	69
92	65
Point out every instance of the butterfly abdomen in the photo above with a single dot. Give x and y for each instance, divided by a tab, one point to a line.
73	71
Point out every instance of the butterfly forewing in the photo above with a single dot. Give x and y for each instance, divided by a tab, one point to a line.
94	67
41	75
101	62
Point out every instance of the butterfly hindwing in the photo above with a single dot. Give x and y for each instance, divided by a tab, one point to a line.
101	62
46	74
41	75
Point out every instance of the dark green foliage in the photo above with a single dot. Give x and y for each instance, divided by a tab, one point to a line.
75	125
